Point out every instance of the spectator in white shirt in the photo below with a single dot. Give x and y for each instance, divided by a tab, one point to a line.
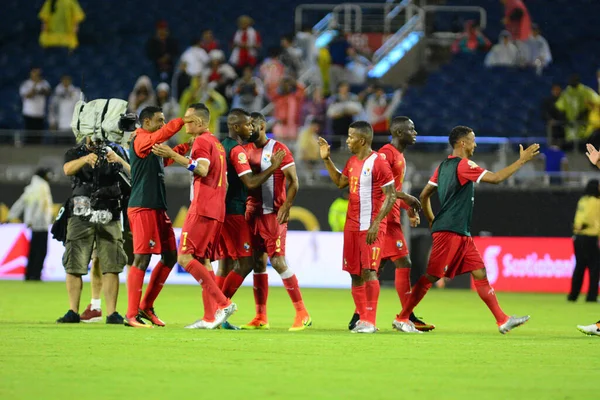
62	105
248	92
35	205
503	54
34	93
539	50
196	59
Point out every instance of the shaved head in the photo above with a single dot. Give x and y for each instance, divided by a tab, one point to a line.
400	124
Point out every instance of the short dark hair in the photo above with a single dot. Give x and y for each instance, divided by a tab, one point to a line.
148	113
235	115
201	110
258	116
457	133
397	124
364	129
592	189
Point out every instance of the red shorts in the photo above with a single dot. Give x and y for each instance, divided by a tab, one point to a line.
453	254
236	239
395	246
268	235
152	231
200	236
359	255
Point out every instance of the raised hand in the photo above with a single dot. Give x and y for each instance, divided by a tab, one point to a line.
592	154
324	148
529	153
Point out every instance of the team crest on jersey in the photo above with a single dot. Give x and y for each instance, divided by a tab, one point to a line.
242	159
152	243
472	164
399	244
267	157
220	147
246	246
367	172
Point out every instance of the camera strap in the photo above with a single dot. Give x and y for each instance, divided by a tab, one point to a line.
102	119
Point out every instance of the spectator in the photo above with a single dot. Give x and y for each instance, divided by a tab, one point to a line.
555	162
315	107
60	23
575	101
472	40
219	74
306	42
169	106
553	117
379	111
308	148
62	105
287	103
209	43
181	80
290	57
539	51
35	204
195	58
162	50
338	51
516	19
142	95
271	72
246	43
357	67
503	54
248	92
200	92
338	211
34	93
343	108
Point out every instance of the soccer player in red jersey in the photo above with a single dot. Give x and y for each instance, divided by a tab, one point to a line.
202	227
151	227
372	197
453	251
267	212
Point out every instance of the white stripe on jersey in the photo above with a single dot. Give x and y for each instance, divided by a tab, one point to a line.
267	188
365	192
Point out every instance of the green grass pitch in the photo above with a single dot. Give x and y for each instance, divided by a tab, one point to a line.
464	358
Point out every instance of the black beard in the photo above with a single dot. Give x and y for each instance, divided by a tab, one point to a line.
253	137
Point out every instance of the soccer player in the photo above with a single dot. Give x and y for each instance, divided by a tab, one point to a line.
267	212
147	212
395	247
453	251
202	227
372	197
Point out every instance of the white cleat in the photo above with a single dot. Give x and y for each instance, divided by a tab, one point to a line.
590	330
512	323
222	314
200	324
364	327
405	326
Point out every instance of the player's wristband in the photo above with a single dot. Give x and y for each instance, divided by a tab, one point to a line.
192	165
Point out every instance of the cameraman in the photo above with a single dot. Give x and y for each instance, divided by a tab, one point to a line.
94	219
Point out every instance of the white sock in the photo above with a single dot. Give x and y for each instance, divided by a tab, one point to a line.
97	304
288	273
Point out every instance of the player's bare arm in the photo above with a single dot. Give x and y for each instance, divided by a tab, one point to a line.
388	204
72	167
252	181
426	194
201	166
526	155
113	157
336	176
283	215
412	201
593	155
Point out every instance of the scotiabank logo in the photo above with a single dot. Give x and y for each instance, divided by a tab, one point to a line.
528	264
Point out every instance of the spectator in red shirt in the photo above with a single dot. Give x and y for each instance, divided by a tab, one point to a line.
209	43
516	19
288	106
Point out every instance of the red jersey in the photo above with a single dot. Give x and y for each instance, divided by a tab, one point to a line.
272	194
366	179
208	198
466	171
398	165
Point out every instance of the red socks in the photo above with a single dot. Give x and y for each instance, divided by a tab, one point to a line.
209	304
291	284
415	297
359	294
159	276
232	283
220	280
261	292
402	282
135	281
201	274
372	296
487	294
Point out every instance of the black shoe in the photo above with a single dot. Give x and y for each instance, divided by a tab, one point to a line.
353	321
114	319
71	317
